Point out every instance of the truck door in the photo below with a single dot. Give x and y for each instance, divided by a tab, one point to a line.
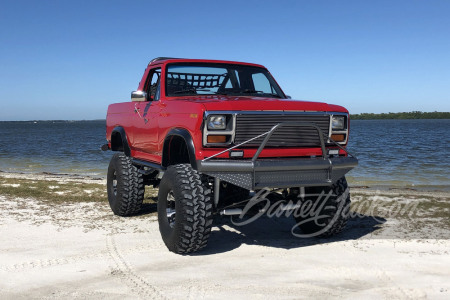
146	119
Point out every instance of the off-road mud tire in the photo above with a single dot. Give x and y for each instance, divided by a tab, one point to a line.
336	209
126	198
193	209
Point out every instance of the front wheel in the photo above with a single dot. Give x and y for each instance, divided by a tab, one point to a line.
184	209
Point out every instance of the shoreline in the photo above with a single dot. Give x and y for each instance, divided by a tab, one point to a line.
438	190
54	176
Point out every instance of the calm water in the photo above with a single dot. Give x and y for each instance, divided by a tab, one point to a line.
391	152
54	146
401	152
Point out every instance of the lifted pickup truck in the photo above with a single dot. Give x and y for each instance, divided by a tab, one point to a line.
212	133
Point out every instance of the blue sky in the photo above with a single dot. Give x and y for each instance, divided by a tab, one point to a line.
70	59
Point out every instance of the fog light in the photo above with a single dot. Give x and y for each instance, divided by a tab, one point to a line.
237	153
214	139
338	137
333	152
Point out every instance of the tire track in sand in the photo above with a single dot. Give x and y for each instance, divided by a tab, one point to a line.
135	282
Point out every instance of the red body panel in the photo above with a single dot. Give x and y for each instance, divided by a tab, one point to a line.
147	123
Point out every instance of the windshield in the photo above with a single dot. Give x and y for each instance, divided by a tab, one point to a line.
187	79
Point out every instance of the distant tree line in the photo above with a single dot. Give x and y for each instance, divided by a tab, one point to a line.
402	115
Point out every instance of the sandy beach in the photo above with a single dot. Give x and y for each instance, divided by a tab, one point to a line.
62	246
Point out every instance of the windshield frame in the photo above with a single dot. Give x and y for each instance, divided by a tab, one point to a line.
279	94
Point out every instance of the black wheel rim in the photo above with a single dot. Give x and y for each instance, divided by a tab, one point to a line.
170	210
114	184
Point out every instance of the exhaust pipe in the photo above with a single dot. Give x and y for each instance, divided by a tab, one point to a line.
231	212
238	211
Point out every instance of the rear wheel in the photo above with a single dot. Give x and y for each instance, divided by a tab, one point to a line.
125	186
184	209
333	210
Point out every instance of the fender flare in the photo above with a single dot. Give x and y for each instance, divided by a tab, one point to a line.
126	147
186	136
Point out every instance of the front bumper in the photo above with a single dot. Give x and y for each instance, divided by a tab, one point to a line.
254	174
278	173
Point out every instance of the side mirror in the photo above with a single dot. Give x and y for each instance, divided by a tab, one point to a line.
288	97
138	96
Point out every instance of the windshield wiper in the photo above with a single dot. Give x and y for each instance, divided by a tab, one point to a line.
228	92
248	91
191	90
261	92
239	91
236	92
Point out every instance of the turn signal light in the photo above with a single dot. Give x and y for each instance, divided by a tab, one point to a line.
338	137
217	139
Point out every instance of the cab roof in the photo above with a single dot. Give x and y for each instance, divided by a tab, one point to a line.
159	60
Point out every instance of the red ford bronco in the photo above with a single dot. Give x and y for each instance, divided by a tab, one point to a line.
210	134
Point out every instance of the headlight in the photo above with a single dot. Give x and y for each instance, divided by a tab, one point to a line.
338	123
217	122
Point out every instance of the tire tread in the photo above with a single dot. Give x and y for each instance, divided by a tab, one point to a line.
131	194
196	222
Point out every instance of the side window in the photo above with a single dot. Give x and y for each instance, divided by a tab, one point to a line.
153	83
261	83
156	97
228	85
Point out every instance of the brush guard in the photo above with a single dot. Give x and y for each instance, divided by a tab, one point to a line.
257	173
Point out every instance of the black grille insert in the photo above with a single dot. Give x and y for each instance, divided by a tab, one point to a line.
251	125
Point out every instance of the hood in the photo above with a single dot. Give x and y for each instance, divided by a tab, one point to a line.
240	103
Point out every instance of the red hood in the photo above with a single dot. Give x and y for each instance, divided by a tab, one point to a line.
233	103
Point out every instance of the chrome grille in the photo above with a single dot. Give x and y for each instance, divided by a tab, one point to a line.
251	125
